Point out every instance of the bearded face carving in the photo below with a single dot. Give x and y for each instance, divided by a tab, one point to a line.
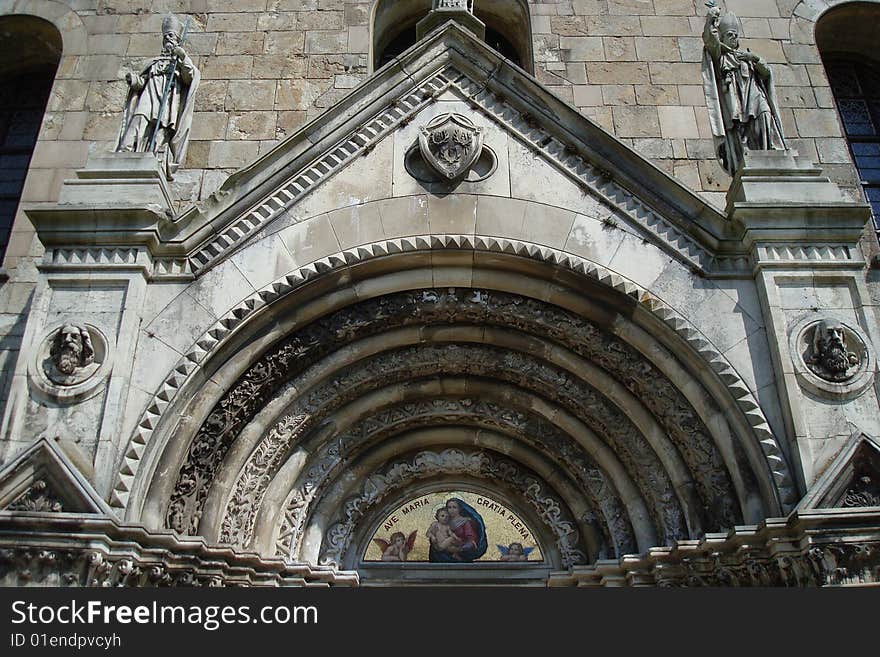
72	349
830	359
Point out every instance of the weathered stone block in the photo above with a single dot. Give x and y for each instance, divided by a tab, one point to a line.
232	155
691	94
299	94
619	49
678	122
251	95
618	73
659	49
251	125
240	43
817	123
612	25
759	8
568	26
279	66
618	94
226	67
675	72
636	122
666	26
232	22
582	49
326	42
321	20
284	43
587	95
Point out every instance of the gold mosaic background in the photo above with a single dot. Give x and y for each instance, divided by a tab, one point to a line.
503	526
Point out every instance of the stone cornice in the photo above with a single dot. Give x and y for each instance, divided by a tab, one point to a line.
816	548
81	550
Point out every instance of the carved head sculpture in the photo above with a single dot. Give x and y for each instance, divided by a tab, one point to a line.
829	346
172	31
72	348
728	30
830	359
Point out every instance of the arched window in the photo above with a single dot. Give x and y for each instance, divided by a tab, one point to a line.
30	49
508	29
845	37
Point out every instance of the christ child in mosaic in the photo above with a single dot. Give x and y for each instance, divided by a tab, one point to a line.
440	533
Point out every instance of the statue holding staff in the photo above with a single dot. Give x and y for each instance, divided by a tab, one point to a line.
739	91
158	110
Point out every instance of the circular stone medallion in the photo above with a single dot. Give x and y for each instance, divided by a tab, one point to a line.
832	357
72	361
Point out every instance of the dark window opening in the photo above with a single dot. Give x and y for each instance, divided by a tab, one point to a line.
508	29
30	49
22	103
856	89
407	38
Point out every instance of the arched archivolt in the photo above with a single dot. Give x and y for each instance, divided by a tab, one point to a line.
352	522
74	36
807	13
672	449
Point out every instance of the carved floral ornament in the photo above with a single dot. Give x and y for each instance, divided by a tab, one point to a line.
306	415
378	486
832	357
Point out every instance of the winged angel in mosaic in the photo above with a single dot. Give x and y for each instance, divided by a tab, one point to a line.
398	547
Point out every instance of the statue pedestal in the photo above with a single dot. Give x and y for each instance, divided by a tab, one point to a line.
122	179
779	195
441	15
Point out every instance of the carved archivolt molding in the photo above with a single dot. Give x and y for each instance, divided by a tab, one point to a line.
220	333
522	370
480	464
469	306
332	455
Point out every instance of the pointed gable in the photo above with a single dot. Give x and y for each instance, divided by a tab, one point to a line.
42	479
852	480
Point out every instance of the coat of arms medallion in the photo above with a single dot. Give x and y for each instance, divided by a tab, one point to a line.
451	144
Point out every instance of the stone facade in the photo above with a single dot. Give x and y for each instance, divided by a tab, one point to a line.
361	284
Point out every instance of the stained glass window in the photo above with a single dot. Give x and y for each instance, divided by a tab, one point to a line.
856	89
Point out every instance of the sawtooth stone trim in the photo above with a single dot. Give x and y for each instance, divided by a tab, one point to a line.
564	156
220	331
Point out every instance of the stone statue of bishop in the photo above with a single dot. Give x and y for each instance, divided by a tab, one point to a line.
158	111
739	90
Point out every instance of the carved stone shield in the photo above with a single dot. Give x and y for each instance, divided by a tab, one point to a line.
451	144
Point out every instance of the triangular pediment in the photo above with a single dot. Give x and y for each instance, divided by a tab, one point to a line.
449	63
852	480
452	62
43	479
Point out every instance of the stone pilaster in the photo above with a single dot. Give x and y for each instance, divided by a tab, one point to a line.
803	237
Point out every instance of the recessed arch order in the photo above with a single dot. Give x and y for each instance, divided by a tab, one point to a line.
523	357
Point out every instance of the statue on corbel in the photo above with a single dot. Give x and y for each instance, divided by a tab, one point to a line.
158	111
740	95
